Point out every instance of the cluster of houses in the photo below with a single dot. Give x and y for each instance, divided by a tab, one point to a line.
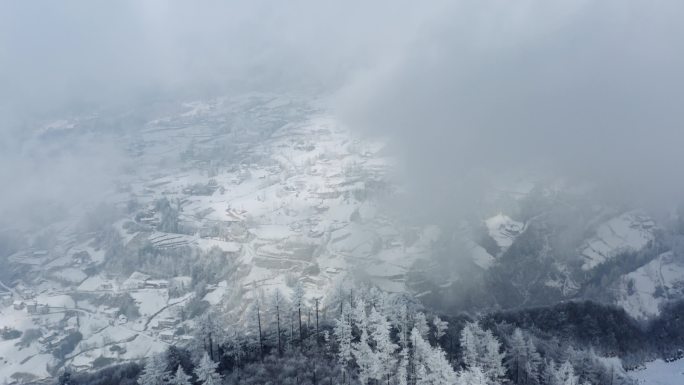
139	280
53	338
114	317
166	325
148	217
31	306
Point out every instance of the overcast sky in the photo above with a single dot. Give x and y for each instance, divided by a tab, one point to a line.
589	89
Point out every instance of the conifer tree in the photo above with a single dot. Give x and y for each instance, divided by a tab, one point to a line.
472	376
206	371
431	364
297	302
440	327
364	357
180	378
343	336
481	349
384	347
566	374
402	368
517	356
420	323
154	371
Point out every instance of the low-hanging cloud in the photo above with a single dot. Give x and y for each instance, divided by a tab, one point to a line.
591	90
584	89
75	58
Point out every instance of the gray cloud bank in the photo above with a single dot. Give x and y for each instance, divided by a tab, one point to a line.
592	90
579	88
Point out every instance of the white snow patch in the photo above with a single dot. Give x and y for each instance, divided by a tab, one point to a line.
480	256
660	372
628	232
504	230
639	289
214	297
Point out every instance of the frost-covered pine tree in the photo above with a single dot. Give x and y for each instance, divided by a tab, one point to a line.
206	371
469	345
180	378
384	347
472	376
441	327
277	306
403	325
436	369
236	349
549	375
440	369
343	336
421	375
365	359
326	341
420	323
297	303
517	356
376	298
492	361
359	316
534	361
255	326
402	367
566	374
207	336
481	349
154	371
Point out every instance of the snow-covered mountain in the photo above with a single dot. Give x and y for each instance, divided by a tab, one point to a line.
273	191
218	200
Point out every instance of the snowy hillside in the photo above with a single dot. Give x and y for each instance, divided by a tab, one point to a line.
628	232
503	230
224	201
276	189
646	289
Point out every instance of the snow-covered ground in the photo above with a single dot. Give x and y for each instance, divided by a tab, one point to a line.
643	291
628	232
295	200
289	194
660	372
503	230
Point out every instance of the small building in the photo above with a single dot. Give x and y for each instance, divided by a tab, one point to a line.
136	281
156	283
166	336
18	305
42	308
32	307
167	323
186	338
110	312
48	339
106	286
